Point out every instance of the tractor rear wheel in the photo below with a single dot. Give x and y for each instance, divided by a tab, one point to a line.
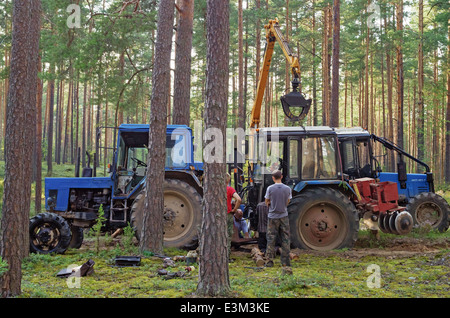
428	208
322	219
182	214
49	233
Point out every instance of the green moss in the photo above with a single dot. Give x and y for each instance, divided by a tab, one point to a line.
334	274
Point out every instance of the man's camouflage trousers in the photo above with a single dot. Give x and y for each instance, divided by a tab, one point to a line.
278	227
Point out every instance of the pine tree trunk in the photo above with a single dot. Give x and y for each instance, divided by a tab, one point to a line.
365	119
258	43
447	117
213	269
389	76
19	143
51	84
77	122
182	79
83	128
420	121
152	227
334	109
66	126
325	69
57	121
400	84
241	113
314	76
38	145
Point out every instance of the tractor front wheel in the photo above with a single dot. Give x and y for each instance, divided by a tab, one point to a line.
322	219
49	233
428	208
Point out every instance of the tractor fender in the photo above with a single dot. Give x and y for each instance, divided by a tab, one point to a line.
187	176
341	185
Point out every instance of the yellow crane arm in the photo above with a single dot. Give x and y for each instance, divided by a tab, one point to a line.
273	33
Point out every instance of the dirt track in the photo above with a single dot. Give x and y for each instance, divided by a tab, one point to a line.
391	249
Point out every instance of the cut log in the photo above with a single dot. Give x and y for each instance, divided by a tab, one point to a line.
258	256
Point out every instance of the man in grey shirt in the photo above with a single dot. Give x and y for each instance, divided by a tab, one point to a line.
277	198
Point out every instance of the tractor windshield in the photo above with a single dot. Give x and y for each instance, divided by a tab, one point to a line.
177	150
133	149
132	146
319	158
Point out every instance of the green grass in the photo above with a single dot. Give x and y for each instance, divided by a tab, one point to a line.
334	274
331	274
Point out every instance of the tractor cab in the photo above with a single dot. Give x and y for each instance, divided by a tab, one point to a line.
357	147
305	155
356	152
415	189
130	165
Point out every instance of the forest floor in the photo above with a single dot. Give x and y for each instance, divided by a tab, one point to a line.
417	265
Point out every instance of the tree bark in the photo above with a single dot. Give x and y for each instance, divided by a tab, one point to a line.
38	145
258	42
20	132
182	80
365	119
241	112
83	128
153	227
325	68
213	268
51	90
389	76
334	111
314	76
400	84
420	121
447	117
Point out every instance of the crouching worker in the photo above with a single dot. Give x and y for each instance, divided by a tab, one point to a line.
240	224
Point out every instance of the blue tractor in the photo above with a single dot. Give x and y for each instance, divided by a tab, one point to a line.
72	204
416	190
327	205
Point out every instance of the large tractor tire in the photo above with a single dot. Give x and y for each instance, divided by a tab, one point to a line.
49	233
322	219
77	237
428	208
182	214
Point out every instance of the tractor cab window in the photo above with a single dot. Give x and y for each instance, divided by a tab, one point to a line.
272	157
293	159
177	149
349	158
137	159
319	158
131	161
356	157
132	152
362	148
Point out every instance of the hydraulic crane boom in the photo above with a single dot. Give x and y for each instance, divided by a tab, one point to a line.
293	99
